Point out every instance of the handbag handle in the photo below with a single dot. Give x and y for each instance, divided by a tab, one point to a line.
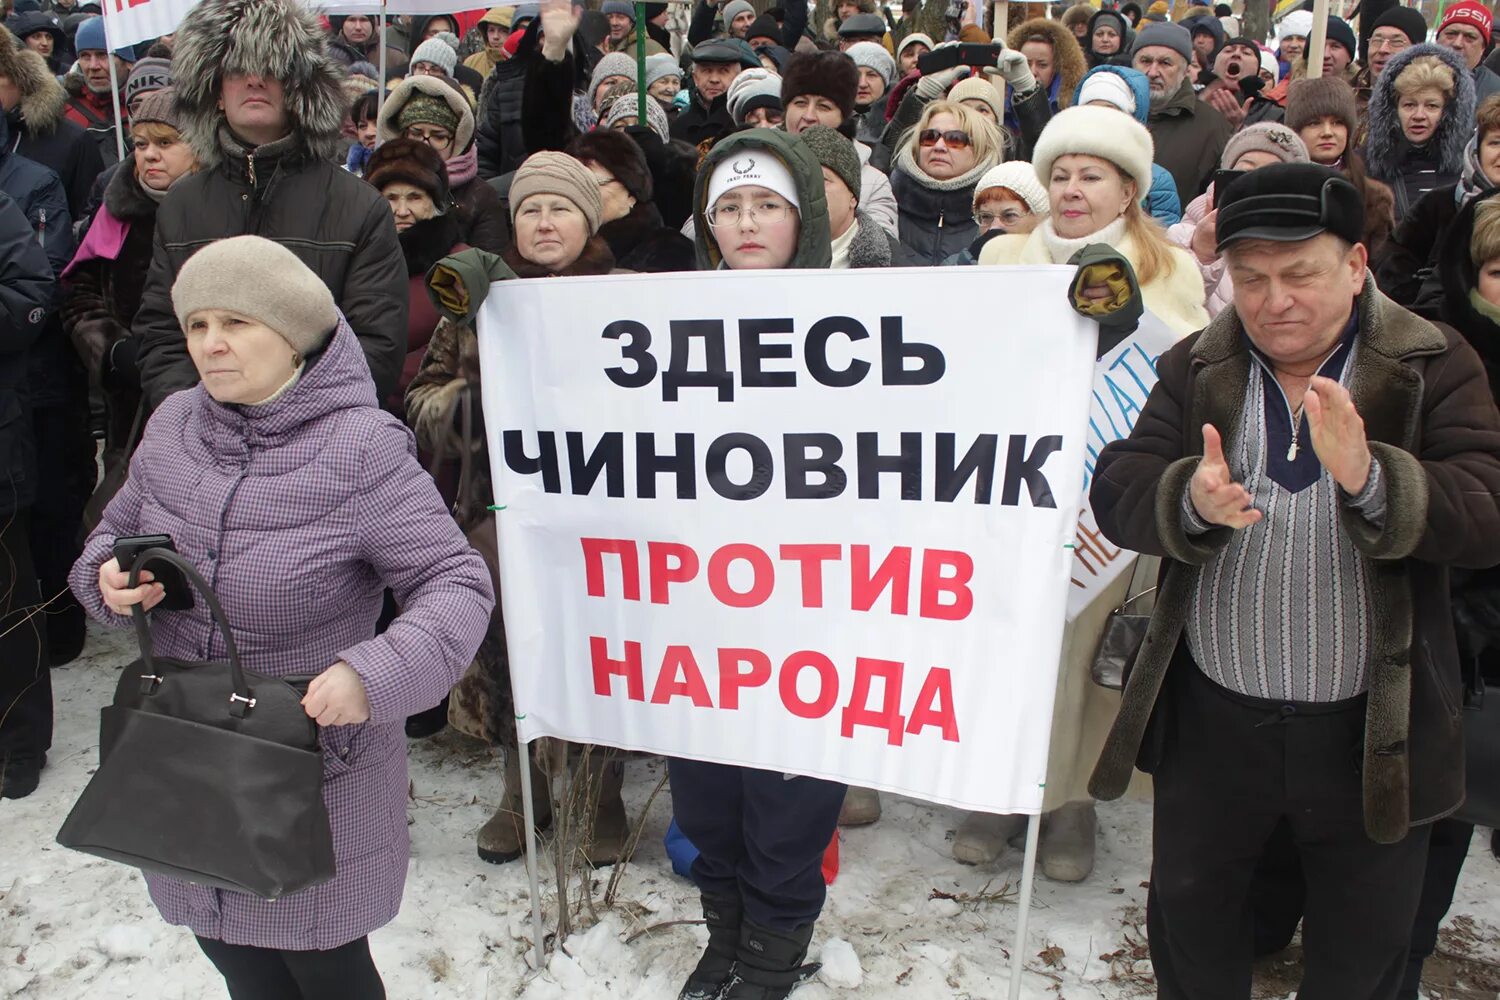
240	700
1132	599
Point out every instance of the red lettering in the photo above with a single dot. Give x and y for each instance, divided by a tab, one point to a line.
894	573
812	558
763	576
889	717
828	684
679	663
681	568
593	566
605	669
934	705
936	583
732	678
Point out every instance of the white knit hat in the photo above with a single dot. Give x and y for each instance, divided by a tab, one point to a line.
1018	176
1101	132
1269	64
1297	24
753	166
1108	87
758	85
873	56
912	39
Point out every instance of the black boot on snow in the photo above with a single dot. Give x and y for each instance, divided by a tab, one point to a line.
722	914
768	964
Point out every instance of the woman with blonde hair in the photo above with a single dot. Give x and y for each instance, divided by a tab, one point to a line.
933	176
1420	118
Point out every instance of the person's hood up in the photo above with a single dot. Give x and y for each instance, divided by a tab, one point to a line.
43	98
1070	64
1208	23
33	21
276	38
418	28
1383	147
1140	88
814	248
385	124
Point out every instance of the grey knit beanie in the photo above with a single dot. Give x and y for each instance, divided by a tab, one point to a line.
238	274
1265	137
734	8
1168	36
158	106
560	174
438	52
873	55
614	64
834	150
661	65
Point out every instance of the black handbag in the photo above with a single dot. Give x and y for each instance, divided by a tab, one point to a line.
206	773
1118	646
1482	755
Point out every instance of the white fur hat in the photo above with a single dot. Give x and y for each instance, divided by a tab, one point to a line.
1018	176
1297	24
1103	132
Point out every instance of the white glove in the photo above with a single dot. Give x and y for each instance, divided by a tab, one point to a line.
1012	66
931	87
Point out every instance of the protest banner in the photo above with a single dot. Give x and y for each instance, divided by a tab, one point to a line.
1123	379
803	521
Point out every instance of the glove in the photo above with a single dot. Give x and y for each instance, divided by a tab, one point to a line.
930	88
1103	269
458	283
1012	65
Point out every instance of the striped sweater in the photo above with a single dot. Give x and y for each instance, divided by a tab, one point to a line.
1283	611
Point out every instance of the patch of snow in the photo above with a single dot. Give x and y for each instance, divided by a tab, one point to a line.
840	965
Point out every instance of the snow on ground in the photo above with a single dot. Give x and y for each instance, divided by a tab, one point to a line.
902	921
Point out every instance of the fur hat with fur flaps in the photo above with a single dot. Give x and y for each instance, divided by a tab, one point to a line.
619	154
277	38
409	161
42	97
824	74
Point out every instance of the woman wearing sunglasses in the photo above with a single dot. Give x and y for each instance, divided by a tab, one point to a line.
1094	163
935	170
758	203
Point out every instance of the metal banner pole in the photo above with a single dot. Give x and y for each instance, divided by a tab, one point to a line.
528	815
114	86
1028	877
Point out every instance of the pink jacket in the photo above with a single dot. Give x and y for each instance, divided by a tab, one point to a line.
1217	285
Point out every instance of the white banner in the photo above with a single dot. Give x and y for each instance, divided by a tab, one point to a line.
1122	380
129	21
817	522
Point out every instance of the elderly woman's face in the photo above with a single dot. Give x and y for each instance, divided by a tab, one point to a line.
1087	194
944	148
1419	113
618	202
666	88
161	156
238	359
550	231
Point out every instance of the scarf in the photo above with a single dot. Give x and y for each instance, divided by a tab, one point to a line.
285	386
841	245
358	157
907	161
1473	182
464	167
1061	248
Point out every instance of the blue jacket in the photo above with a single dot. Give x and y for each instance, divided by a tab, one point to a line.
1161	201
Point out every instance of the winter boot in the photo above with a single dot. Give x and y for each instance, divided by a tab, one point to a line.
21	775
861	807
768	964
609	828
503	836
1067	848
723	915
982	837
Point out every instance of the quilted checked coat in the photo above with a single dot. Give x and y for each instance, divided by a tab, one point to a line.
299	512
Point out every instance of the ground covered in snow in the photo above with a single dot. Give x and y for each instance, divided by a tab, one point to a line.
903	920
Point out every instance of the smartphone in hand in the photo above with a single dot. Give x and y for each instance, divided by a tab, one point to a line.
178	594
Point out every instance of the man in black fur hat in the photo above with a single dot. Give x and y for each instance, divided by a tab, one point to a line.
262	103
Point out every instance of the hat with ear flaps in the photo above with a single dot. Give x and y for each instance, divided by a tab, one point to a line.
280	39
233	275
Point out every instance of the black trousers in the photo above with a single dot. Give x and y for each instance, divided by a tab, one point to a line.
1233	771
343	973
25	677
760	836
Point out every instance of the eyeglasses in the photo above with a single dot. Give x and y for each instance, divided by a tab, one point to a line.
953	138
1007	218
767	212
437	140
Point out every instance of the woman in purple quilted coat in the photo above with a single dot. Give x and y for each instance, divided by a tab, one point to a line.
299	500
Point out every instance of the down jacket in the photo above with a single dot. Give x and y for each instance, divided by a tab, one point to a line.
26	296
1411	171
302	511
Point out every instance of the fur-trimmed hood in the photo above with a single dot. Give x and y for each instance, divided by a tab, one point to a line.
277	38
1069	60
42	97
386	129
1384	147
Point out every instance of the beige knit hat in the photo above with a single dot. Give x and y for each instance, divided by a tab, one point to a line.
560	174
978	89
260	280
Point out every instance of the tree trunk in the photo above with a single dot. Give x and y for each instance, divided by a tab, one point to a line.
1256	22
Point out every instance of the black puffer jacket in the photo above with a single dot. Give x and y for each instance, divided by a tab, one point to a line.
26	298
502	146
40	132
336	223
935	223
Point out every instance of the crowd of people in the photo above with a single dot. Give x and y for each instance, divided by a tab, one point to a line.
254	332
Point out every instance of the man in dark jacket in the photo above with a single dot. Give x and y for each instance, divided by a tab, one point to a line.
26	300
715	65
265	143
34	101
1188	133
1308	467
499	134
